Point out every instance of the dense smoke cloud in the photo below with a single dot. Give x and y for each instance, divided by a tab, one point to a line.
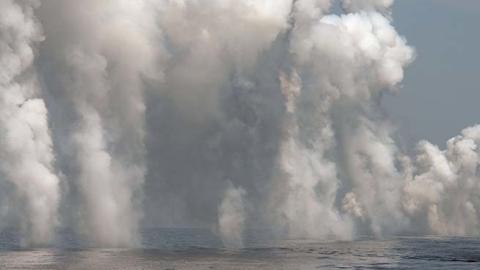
25	142
95	57
442	186
231	115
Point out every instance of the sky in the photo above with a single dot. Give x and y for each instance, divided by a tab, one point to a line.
441	89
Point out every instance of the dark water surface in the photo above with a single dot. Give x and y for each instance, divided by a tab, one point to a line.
197	249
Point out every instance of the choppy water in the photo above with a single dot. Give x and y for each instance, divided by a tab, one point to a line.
197	249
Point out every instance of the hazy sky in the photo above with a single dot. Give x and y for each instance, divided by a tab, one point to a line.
442	87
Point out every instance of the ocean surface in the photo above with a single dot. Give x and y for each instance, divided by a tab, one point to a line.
178	249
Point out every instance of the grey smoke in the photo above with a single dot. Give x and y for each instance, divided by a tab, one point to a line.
229	115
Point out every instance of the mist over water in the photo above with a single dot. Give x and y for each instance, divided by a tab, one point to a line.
234	116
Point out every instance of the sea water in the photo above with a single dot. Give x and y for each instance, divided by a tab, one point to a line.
200	249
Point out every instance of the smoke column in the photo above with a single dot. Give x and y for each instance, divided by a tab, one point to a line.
96	53
231	219
230	115
25	142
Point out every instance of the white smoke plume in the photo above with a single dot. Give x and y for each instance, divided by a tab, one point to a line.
344	63
442	186
25	142
306	211
231	220
99	52
236	115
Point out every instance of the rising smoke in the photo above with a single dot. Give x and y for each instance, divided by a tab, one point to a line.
231	115
25	142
